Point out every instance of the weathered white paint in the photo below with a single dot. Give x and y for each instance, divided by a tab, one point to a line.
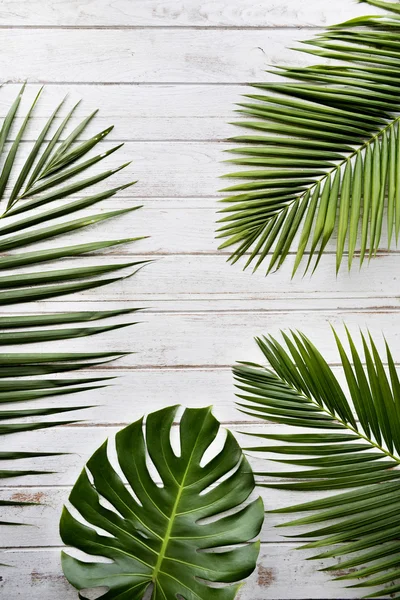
146	55
188	338
170	13
80	447
280	572
144	112
53	498
167	73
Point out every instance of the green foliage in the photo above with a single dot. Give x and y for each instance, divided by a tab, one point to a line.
176	538
324	151
35	189
350	440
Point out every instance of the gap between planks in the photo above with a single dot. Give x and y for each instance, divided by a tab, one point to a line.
167	27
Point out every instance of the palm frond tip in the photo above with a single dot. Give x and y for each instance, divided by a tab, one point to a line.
36	192
324	152
350	440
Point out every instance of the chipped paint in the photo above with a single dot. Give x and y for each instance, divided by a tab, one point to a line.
36	497
265	576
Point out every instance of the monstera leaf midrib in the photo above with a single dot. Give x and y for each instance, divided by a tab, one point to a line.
171	518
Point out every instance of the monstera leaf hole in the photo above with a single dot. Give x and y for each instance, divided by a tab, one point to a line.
172	519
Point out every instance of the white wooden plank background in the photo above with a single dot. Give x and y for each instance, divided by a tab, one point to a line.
167	73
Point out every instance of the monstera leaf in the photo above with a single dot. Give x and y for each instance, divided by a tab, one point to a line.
180	526
350	440
323	152
36	183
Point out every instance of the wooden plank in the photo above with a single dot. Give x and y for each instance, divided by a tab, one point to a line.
154	389
145	112
167	13
192	339
43	518
186	169
162	168
280	575
80	441
220	338
208	282
197	276
123	56
175	226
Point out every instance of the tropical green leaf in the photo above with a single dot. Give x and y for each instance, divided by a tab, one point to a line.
177	539
38	206
322	152
46	170
350	441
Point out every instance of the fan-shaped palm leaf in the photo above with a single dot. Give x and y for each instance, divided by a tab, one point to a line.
37	208
324	151
177	538
353	443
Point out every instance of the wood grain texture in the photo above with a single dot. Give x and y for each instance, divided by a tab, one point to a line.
167	74
278	571
53	498
164	112
188	338
172	13
145	55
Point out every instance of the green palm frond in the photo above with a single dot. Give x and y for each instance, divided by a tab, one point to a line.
42	194
350	440
34	202
175	540
323	151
